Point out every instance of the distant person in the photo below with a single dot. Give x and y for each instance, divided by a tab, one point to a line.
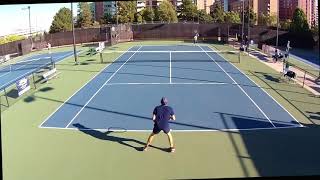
275	56
246	43
49	52
286	68
161	116
195	38
49	48
242	47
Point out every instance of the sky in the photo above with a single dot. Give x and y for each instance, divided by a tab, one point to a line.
13	17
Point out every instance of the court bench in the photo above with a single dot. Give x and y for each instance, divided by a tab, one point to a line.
93	51
5	58
50	74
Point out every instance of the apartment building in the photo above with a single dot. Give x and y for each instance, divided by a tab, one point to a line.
141	4
224	3
287	8
204	4
156	3
258	6
317	14
314	13
92	9
103	7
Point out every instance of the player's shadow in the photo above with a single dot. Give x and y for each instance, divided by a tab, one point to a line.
121	140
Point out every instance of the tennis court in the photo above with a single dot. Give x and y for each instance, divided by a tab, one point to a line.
206	91
9	74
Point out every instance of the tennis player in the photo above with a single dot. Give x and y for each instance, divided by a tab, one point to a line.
161	116
195	38
49	48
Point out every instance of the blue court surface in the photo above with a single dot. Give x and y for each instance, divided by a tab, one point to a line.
11	73
206	92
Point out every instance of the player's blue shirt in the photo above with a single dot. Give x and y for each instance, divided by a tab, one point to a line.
163	114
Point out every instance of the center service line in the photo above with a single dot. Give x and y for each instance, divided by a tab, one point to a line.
101	88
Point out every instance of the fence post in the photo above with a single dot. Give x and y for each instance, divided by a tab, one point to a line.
34	82
5	93
101	58
304	78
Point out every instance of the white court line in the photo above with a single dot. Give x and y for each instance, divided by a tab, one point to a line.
170	67
167	51
148	45
264	114
263	90
137	83
100	89
202	130
77	92
31	61
3	86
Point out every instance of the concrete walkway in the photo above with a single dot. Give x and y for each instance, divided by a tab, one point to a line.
307	81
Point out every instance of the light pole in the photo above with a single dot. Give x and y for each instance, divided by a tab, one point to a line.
1	163
242	21
30	34
117	12
73	35
277	24
248	24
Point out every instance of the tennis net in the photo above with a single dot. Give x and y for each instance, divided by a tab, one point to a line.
27	65
174	56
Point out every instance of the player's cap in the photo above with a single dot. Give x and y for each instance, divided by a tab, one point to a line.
164	101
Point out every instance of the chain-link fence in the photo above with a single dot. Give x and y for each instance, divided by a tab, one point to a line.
81	36
112	34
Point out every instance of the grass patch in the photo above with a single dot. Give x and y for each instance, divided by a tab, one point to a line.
31	153
297	100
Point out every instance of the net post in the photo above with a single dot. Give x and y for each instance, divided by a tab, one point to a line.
304	78
50	54
52	62
101	58
239	56
34	82
5	93
1	163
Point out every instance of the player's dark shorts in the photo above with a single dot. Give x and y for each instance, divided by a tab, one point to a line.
157	129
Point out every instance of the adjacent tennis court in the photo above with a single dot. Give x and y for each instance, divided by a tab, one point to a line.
9	74
207	92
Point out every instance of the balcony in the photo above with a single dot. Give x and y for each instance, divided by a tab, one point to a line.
141	4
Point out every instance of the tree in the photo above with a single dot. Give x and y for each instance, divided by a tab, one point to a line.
301	35
232	17
299	22
61	21
107	19
204	17
167	12
285	25
148	14
188	10
218	13
96	24
138	18
84	15
315	30
252	15
266	19
11	38
126	11
156	14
